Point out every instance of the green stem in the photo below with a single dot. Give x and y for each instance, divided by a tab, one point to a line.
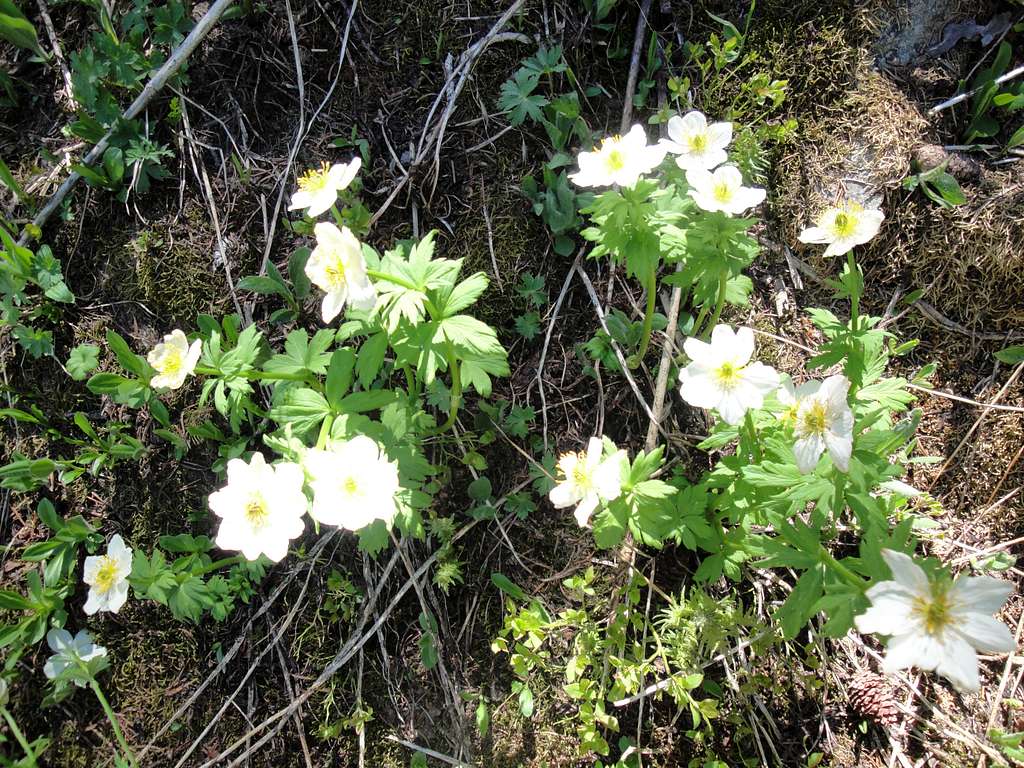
410	381
391	279
325	431
752	432
456	394
337	215
113	722
19	737
848	576
851	264
257	375
645	338
723	284
216	565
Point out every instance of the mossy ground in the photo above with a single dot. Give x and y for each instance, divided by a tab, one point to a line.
145	271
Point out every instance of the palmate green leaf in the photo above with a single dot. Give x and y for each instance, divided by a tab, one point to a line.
518	99
82	360
463	294
303	354
891	393
802	602
610	524
188	599
301	407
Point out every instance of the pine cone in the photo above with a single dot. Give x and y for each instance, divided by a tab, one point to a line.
871	696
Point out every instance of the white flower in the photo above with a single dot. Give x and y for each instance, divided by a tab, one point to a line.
722	190
353	484
721	375
588	479
843	227
823	421
697	144
336	267
618	160
261	507
173	360
69	651
318	188
107	577
937	625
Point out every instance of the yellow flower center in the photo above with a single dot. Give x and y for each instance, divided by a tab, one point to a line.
845	224
722	193
698	142
815	419
315	180
615	160
106	576
728	375
934	613
171	362
578	475
350	485
334	271
256	512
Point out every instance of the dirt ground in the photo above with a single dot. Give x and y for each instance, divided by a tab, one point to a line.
860	83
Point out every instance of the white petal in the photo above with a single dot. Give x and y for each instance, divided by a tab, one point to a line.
839	448
743	347
700	390
868	224
700	179
807	451
93	603
564	495
839	247
761	377
117	597
333	303
699	351
814	235
321	201
983	594
913	650
890	612
719	135
585	510
732	408
959	664
906	572
301	199
985	633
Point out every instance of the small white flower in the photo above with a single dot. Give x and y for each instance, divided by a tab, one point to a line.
937	625
618	160
336	267
843	227
697	144
722	190
721	375
69	651
318	188
823	421
107	577
261	507
588	479
353	484
173	360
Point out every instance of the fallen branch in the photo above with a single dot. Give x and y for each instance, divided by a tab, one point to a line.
155	84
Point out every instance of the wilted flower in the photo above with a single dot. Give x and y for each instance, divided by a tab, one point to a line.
353	483
721	375
618	160
70	651
697	144
843	227
937	625
107	577
261	507
318	188
822	421
173	360
336	266
588	478
722	190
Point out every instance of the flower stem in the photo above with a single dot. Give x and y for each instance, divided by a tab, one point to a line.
257	375
391	279
723	284
456	394
851	264
325	431
755	446
113	722
645	338
848	576
19	737
216	565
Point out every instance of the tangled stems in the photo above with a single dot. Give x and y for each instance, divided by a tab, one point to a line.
108	710
19	737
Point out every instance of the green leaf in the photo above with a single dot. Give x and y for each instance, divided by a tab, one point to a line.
17	29
480	489
1011	355
428	650
339	374
510	588
372	400
263	285
83	359
800	605
465	293
129	360
302	407
297	272
371	358
610	525
188	599
517	98
10	182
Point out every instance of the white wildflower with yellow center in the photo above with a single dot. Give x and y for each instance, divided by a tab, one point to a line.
696	144
68	651
353	483
721	376
588	478
261	507
107	577
823	421
722	190
843	227
173	360
937	625
618	160
336	266
319	187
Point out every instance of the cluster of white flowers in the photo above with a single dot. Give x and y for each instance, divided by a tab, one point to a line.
589	478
